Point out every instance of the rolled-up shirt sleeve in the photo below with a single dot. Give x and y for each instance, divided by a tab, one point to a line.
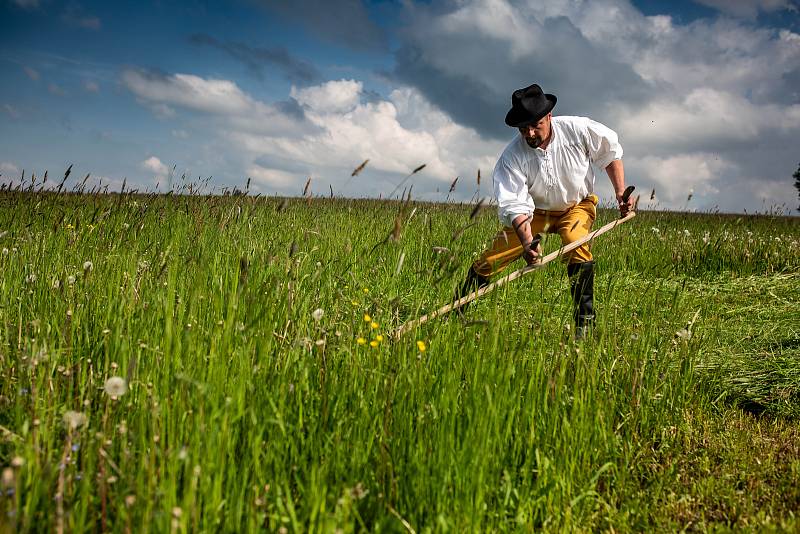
603	144
511	192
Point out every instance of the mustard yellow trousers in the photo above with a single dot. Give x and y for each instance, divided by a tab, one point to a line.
571	224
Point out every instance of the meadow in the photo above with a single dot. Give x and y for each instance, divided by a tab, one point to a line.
186	363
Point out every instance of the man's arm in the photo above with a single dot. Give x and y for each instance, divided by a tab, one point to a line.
522	227
616	173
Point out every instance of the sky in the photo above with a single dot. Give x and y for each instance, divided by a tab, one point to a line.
704	94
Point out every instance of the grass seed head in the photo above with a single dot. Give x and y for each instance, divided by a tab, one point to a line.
477	208
359	168
453	185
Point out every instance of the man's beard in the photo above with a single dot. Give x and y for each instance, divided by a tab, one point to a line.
533	142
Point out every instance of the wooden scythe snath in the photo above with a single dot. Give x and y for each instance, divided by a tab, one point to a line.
512	276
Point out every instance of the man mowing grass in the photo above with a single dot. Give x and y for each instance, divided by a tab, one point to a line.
544	182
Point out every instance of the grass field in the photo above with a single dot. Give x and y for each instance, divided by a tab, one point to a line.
186	363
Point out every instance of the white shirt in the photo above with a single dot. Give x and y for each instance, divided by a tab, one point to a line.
557	177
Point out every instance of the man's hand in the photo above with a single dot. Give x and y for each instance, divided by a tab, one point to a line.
616	173
532	251
624	205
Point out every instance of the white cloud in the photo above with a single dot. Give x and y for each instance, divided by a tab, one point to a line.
325	131
338	96
8	170
675	177
272	179
189	91
91	86
702	116
155	166
396	135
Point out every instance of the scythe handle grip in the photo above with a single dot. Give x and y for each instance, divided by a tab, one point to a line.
627	193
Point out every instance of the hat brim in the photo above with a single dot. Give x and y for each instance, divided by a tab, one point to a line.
519	116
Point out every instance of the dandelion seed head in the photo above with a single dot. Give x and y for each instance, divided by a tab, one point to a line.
7	478
684	333
115	387
88	266
74	420
317	314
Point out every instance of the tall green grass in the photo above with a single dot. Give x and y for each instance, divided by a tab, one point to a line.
262	390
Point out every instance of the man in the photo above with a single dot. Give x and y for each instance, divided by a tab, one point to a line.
544	182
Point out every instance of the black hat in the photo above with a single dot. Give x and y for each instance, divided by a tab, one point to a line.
528	105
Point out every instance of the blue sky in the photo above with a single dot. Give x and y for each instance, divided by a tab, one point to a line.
704	94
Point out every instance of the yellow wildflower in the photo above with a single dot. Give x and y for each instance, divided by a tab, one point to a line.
373	343
374	325
379	338
367	318
361	341
421	346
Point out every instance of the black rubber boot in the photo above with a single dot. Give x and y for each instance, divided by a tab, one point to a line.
473	282
581	282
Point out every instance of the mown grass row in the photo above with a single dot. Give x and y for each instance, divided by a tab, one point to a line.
262	389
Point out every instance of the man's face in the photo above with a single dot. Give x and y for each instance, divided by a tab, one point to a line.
536	134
